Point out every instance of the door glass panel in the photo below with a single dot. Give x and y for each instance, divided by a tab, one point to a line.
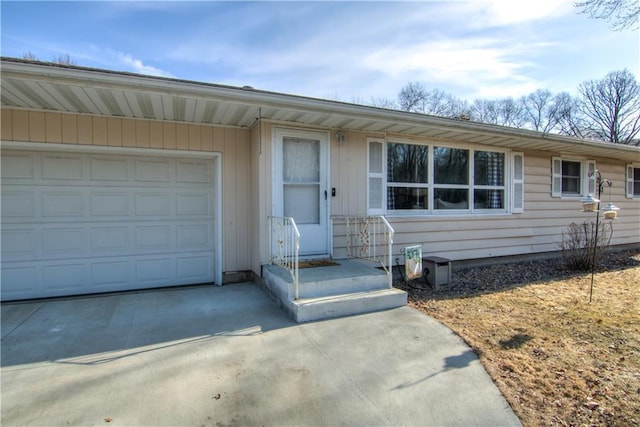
301	179
302	202
301	160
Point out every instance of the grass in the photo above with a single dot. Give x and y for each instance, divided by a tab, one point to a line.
558	359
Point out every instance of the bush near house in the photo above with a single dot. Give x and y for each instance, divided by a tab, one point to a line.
578	242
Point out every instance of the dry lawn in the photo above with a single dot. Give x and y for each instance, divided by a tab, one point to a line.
558	359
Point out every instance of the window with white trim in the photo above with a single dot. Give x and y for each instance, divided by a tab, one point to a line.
407	176
431	179
571	177
633	181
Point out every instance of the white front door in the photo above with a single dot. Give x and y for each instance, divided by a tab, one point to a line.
301	186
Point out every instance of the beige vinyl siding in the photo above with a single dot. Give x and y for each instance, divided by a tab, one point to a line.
234	144
467	236
261	169
348	174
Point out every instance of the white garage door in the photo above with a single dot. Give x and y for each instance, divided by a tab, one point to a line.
88	223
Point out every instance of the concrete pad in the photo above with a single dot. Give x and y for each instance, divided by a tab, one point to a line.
228	356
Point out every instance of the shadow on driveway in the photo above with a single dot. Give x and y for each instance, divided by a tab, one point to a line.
80	330
229	356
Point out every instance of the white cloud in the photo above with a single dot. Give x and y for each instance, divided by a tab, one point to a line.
482	66
137	66
510	12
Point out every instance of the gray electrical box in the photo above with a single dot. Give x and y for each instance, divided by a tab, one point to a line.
437	270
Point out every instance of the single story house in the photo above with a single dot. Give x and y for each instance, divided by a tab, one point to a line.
116	181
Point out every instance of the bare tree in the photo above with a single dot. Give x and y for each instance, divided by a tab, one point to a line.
416	98
611	107
64	59
505	112
439	103
570	121
29	56
510	113
621	14
484	110
412	97
540	110
383	103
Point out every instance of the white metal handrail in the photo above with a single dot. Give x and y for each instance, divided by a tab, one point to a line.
370	238
284	246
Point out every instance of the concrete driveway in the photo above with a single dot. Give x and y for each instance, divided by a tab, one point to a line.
228	356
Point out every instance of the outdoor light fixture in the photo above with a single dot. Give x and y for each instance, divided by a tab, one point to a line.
591	204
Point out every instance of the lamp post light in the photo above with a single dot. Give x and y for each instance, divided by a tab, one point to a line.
591	204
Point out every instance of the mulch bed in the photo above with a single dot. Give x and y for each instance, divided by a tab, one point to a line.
498	277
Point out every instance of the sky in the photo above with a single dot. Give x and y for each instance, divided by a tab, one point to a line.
348	51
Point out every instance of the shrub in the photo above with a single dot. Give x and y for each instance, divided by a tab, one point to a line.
578	241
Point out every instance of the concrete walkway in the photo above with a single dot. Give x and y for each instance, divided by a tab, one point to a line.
227	356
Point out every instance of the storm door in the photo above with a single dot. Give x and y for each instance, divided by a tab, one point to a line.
301	186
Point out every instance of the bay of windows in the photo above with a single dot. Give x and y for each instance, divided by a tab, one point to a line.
435	178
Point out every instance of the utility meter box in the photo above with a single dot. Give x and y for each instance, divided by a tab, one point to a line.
437	270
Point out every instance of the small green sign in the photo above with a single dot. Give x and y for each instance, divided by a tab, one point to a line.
413	262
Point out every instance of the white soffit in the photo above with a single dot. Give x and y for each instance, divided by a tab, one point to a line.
51	87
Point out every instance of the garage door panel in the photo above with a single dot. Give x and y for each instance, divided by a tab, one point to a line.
59	203
155	271
64	242
153	171
153	238
110	240
19	244
195	269
113	203
109	275
153	204
193	203
109	169
192	237
66	167
18	204
193	172
18	166
20	281
65	276
86	223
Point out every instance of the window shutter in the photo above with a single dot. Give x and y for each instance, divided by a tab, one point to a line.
375	181
591	179
517	183
629	182
556	177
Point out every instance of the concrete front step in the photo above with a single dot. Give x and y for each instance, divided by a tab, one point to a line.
322	287
348	276
327	307
352	287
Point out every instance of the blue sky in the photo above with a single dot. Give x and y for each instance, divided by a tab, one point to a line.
349	51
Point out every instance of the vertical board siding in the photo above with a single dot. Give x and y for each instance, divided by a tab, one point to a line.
6	127
20	126
348	175
234	144
69	126
53	124
37	127
99	127
256	228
